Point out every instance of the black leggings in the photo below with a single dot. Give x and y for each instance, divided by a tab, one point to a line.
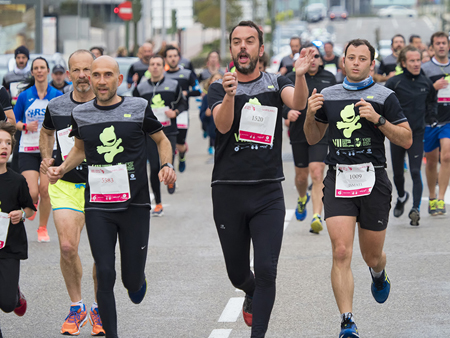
9	283
132	227
153	159
245	213
415	154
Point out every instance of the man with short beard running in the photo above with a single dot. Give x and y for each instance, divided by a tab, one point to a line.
248	201
388	67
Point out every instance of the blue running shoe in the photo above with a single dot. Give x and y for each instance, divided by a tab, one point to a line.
182	164
381	287
348	329
138	296
300	211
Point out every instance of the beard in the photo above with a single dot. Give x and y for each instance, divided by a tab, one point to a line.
106	97
247	69
80	89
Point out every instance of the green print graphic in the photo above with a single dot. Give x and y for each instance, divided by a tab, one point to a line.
254	101
158	102
110	145
349	121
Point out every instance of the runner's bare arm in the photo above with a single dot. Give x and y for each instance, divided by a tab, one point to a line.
224	113
314	131
10	115
295	98
46	142
166	174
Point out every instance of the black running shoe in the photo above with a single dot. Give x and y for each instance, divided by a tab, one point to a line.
400	206
414	216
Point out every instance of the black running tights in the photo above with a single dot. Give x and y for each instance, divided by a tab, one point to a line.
245	213
9	283
132	227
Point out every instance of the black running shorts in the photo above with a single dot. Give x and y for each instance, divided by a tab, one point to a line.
304	153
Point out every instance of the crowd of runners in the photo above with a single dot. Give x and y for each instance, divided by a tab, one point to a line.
80	151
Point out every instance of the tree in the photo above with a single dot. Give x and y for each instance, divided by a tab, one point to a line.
207	12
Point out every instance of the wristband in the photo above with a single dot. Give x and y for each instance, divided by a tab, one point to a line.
24	127
24	216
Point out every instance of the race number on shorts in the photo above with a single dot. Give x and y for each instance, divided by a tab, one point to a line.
258	123
354	180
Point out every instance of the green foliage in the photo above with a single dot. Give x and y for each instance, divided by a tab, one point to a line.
207	12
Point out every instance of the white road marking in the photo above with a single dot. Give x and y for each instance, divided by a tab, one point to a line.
232	310
220	333
289	214
428	22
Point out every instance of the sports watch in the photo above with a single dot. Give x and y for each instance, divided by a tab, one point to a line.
381	121
167	165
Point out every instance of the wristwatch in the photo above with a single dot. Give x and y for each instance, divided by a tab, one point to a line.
167	165
381	121
24	216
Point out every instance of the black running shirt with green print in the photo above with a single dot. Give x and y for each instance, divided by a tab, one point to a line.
245	162
352	139
115	135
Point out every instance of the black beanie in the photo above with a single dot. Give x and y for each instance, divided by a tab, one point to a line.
22	50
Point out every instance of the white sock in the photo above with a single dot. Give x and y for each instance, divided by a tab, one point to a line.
94	306
348	315
80	303
403	198
376	274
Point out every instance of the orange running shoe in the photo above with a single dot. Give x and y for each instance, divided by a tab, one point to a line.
96	322
34	215
74	321
158	210
43	235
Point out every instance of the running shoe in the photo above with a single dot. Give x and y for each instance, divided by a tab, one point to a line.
432	207
380	287
316	224
74	321
400	206
440	208
96	322
348	329
247	310
171	188
21	306
43	235
138	296
34	215
211	150
414	216
300	212
182	163
205	134
158	210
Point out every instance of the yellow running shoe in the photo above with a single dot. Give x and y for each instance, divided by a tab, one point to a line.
316	224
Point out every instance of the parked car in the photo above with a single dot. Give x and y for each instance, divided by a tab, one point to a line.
315	12
337	12
397	11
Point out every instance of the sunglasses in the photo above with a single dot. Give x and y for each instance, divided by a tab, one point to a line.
316	56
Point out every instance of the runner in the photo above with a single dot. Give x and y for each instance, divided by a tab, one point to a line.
388	66
212	66
30	112
138	69
166	100
114	150
67	195
438	139
287	63
357	188
189	84
418	99
309	160
416	41
59	79
248	202
184	62
97	51
15	205
330	60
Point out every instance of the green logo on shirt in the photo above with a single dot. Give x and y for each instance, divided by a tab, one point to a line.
111	144
349	121
158	102
254	101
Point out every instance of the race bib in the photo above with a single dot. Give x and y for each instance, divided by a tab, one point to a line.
444	93
109	184
4	226
66	143
183	120
30	141
160	114
258	123
331	67
354	180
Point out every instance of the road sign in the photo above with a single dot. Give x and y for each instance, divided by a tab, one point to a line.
124	11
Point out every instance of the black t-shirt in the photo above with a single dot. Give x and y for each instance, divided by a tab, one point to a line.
332	65
5	101
2	114
14	195
322	79
288	62
116	135
58	116
387	65
187	80
241	162
352	139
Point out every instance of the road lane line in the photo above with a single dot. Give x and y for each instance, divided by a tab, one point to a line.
428	22
220	333
232	311
289	214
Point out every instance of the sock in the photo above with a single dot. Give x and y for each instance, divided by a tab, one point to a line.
376	274
303	199
94	306
347	315
402	199
80	304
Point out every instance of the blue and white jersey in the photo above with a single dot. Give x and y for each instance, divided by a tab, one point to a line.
29	107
